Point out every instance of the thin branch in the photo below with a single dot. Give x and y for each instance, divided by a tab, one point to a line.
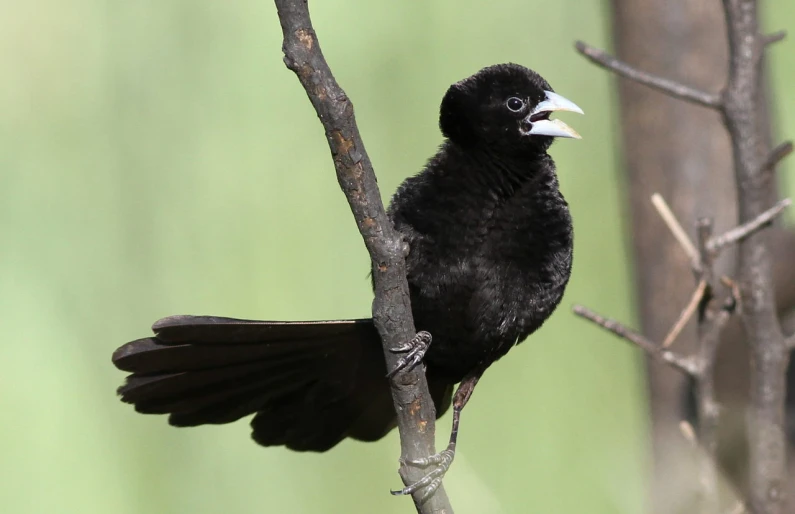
675	227
669	87
684	364
709	329
738	234
686	314
391	308
774	37
777	155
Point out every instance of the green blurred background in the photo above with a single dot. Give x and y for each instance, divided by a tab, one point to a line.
157	158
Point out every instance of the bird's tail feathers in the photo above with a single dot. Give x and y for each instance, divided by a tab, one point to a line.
310	383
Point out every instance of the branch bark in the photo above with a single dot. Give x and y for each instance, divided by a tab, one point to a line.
769	353
392	315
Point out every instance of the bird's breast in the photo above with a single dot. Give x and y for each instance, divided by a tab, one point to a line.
479	290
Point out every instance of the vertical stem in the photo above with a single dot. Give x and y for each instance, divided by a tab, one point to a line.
708	340
769	357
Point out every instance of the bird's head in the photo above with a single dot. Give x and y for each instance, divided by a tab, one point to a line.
505	107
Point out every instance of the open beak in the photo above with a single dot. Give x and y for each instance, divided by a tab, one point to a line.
538	121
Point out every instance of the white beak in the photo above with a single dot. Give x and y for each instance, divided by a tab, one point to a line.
545	127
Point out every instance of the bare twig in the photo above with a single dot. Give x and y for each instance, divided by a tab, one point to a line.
391	308
669	87
683	364
775	37
675	227
686	314
776	156
739	233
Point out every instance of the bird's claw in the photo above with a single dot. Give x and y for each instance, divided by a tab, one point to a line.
415	348
444	458
433	479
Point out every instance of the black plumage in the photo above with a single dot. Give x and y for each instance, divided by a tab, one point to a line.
490	239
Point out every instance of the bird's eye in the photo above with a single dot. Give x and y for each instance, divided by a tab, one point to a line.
515	104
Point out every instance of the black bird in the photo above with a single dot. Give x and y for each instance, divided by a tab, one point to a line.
490	253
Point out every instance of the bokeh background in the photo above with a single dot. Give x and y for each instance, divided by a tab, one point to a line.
157	158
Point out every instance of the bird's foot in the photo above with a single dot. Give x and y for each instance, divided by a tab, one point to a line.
433	479
415	348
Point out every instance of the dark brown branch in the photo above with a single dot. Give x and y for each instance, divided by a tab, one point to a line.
669	87
775	37
391	308
684	364
742	109
716	244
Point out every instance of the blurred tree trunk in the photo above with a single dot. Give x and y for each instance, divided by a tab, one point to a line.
682	152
